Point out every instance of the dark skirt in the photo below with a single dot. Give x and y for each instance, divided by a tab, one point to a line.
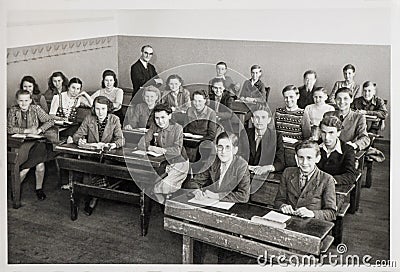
37	152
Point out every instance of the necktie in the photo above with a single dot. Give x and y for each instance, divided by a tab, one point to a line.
258	141
341	118
302	181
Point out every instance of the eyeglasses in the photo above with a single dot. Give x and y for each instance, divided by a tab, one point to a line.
221	148
148	54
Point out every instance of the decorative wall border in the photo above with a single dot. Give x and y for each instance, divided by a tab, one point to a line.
20	54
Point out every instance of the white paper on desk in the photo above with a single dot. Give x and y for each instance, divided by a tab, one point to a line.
276	217
370	116
21	136
139	152
142	152
212	203
289	140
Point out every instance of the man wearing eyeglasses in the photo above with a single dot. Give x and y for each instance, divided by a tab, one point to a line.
143	72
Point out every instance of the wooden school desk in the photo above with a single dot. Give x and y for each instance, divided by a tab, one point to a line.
146	169
233	230
242	108
15	152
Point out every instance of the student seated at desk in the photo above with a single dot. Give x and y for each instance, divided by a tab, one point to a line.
176	97
337	158
30	119
64	105
166	138
110	89
349	71
253	89
228	178
354	131
315	112
261	145
306	91
290	120
28	83
221	102
200	120
139	116
99	127
57	84
221	69
370	104
305	190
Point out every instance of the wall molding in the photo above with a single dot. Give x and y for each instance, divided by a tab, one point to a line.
26	53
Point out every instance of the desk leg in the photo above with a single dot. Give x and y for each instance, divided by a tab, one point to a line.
368	177
16	185
145	211
73	202
187	250
355	198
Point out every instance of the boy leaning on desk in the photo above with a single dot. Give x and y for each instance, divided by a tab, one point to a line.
305	190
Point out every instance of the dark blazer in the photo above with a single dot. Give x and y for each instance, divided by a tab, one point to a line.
235	184
354	128
112	132
140	75
306	98
226	100
340	166
318	194
267	153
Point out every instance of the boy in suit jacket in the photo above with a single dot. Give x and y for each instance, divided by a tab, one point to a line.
228	178
306	91
354	131
305	190
261	145
337	158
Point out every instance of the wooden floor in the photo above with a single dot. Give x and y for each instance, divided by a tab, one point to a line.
41	232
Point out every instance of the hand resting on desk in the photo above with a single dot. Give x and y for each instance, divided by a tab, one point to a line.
302	211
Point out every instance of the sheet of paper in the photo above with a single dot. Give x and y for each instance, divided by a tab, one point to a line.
22	136
277	217
139	152
212	203
289	140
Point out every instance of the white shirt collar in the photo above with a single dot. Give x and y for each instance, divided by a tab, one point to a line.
337	148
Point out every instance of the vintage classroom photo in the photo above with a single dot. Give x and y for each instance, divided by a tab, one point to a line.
151	139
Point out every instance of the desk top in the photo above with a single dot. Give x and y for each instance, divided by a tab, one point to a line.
133	136
242	106
305	234
121	154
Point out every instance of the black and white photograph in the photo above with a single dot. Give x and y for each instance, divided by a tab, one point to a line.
205	136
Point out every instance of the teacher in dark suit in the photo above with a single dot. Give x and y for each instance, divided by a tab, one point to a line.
143	71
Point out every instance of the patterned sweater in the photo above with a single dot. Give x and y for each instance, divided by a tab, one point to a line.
292	124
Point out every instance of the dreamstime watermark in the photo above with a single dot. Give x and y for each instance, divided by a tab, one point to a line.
329	258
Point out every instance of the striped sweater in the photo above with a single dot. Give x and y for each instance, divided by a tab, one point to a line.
292	124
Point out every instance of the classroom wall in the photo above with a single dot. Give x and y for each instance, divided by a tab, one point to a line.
283	63
84	58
